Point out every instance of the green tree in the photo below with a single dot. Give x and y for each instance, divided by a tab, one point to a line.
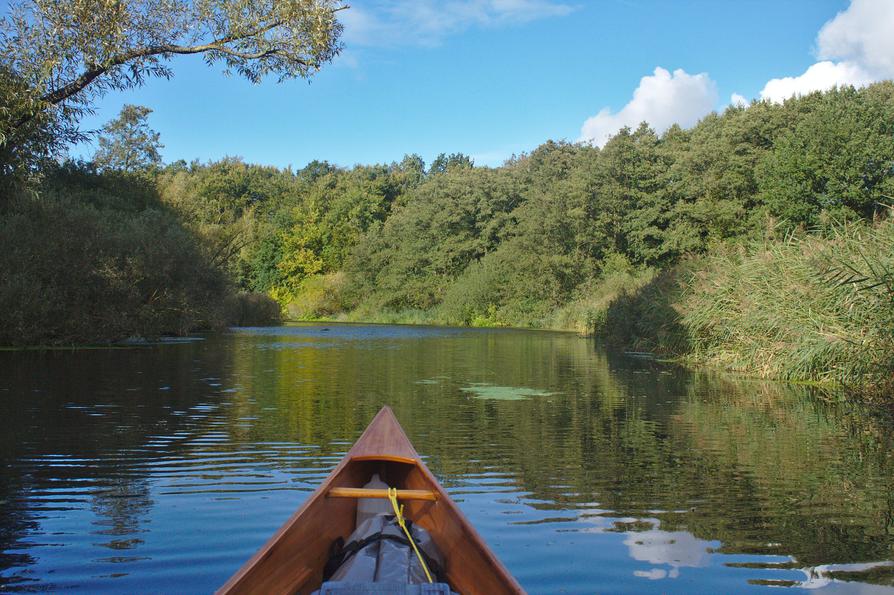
127	143
409	173
315	170
449	221
445	162
838	158
68	53
711	179
227	204
300	257
24	148
627	202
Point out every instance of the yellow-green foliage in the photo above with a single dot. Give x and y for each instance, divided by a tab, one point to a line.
301	260
487	319
318	296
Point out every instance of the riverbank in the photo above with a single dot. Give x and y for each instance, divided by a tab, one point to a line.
813	307
807	307
96	260
688	243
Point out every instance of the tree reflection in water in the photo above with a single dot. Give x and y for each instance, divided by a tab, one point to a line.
171	464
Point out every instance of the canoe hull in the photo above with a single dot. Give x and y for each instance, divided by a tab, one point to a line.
292	560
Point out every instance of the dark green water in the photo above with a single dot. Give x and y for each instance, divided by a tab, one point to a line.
161	469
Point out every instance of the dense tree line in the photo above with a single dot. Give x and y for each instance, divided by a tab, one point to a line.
513	244
528	243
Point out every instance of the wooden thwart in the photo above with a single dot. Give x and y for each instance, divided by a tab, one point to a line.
373	493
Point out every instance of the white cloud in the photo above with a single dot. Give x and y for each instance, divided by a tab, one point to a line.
738	100
662	99
361	26
857	48
677	549
428	22
819	77
863	34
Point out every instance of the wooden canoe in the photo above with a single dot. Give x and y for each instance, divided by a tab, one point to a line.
292	560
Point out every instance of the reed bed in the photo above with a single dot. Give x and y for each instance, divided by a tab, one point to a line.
815	307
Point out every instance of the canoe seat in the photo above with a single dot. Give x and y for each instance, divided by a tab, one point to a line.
342	588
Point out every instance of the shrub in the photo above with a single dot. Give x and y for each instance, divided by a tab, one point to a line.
318	296
808	308
252	309
73	273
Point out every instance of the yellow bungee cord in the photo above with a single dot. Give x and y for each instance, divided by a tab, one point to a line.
399	515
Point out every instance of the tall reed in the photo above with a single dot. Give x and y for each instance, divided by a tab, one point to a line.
810	307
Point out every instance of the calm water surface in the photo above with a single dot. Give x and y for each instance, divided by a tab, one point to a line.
161	469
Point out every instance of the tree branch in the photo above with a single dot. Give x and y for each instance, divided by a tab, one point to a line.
88	76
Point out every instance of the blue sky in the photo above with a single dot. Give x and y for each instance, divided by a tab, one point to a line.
488	78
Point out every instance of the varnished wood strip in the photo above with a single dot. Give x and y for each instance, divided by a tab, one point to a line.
373	493
384	457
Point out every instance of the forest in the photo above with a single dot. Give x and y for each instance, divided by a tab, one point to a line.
759	240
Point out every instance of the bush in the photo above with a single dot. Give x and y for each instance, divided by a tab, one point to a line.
474	296
807	308
318	296
72	273
252	309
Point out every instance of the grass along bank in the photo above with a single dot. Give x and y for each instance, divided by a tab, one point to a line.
807	307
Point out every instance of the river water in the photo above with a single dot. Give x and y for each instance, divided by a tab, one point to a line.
162	468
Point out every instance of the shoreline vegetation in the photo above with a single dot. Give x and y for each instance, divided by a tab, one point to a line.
759	241
812	308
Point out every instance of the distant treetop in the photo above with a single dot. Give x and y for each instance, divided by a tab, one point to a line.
127	143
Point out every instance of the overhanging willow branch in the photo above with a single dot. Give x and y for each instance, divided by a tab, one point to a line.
219	45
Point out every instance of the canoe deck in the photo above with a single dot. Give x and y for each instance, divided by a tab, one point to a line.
292	560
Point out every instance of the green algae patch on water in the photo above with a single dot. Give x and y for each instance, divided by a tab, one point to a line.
434	380
504	393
